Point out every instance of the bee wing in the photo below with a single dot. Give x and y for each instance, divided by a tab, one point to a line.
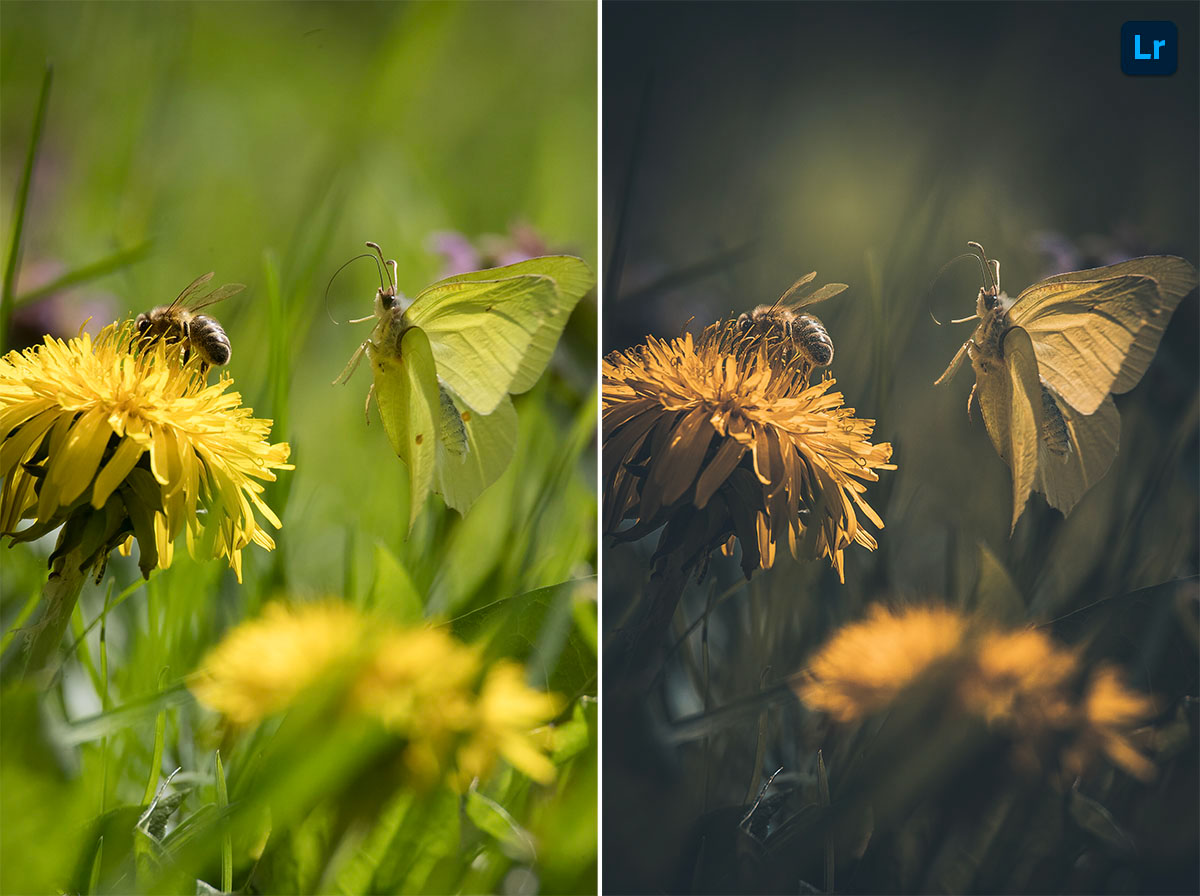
828	291
220	294
1010	399
1094	438
1096	331
795	288
181	299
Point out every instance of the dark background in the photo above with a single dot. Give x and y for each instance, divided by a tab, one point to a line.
747	144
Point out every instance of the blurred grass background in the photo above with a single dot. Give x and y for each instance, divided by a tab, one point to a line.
747	144
266	142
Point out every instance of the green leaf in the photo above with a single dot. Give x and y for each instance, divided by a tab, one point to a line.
492	818
1092	817
996	595
394	590
429	831
536	628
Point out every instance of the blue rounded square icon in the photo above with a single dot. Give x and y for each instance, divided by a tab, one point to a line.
1149	48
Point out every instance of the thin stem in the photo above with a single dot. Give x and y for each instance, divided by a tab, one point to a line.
59	597
637	651
14	249
113	262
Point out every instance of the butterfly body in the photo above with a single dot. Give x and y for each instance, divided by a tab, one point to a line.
1047	364
1054	431
446	363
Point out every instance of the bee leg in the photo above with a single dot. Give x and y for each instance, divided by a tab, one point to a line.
367	404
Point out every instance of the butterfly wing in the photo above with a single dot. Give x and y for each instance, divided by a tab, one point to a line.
473	451
1093	440
493	331
572	280
1096	331
1010	398
406	390
480	332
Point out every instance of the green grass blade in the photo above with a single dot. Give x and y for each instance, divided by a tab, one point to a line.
14	249
97	862
85	655
106	265
160	729
226	837
823	793
22	618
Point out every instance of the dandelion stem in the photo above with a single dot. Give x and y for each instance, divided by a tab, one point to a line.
59	597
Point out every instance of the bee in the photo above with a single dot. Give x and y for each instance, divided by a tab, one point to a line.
797	334
179	322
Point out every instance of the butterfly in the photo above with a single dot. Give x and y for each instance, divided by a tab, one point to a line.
446	363
1048	363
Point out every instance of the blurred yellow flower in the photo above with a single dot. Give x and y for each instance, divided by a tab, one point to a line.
421	684
508	710
1019	682
1021	678
1110	713
721	440
264	665
865	665
117	442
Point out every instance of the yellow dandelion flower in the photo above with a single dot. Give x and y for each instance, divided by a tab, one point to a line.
263	666
1020	678
718	440
421	680
119	443
1021	683
1110	713
507	712
866	665
430	690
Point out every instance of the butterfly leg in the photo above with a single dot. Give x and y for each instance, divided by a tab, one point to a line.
367	404
971	398
351	366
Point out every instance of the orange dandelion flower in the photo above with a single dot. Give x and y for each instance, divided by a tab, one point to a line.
1021	683
719	440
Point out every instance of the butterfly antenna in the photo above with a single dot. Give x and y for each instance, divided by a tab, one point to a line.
938	276
993	278
338	271
391	265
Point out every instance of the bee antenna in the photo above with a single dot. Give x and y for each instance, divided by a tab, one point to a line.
338	271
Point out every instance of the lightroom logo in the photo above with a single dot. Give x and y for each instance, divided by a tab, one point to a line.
1149	48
